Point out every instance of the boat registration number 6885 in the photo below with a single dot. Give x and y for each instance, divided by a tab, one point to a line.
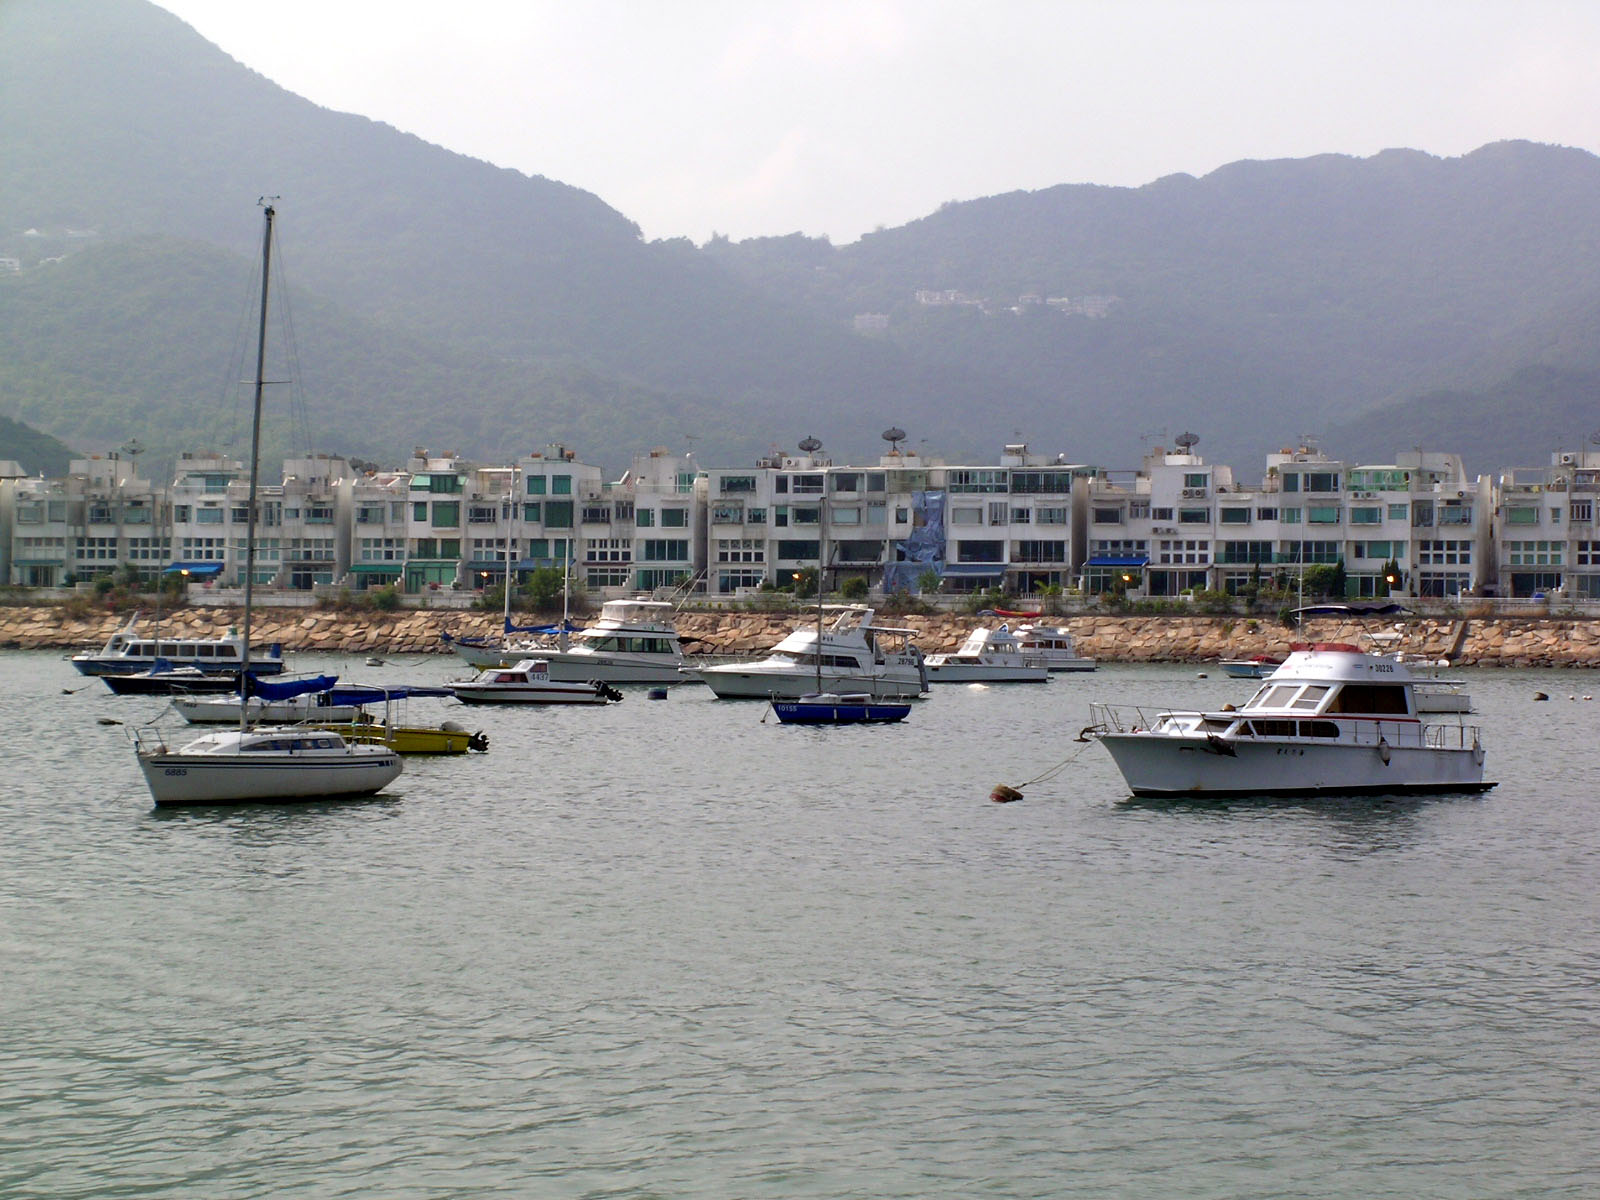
177	770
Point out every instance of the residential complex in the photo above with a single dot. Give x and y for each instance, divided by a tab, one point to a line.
1417	526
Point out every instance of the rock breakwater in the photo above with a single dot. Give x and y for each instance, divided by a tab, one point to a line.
1491	641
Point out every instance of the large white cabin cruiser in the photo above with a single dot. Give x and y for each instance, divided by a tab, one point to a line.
127	651
1331	720
988	656
848	654
1053	645
632	641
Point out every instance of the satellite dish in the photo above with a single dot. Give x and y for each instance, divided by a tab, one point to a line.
1595	437
810	445
1187	440
894	435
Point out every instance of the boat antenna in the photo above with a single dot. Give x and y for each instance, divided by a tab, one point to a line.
267	203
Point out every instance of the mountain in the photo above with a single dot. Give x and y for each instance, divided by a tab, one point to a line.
38	453
438	300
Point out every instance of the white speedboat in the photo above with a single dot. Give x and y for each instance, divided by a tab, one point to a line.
1257	666
849	655
1330	720
1053	645
267	763
987	656
322	699
529	682
126	651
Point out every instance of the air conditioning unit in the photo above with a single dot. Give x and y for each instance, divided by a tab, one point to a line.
1568	460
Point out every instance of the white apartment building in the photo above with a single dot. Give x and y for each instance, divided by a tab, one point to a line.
1545	535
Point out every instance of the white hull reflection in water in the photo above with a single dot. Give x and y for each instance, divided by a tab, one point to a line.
664	949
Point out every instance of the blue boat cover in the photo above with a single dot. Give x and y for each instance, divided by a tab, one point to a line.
288	689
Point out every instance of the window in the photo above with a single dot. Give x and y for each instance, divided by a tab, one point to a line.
597	514
999	510
1234	516
664	550
846	481
1053	515
1161	514
446	514
1041	483
1581	512
1266	514
674	518
1534	554
1022	516
561	485
1244	552
986	480
608	550
208	516
980	552
1367	515
798	550
1106	515
1041	552
806	514
1522	516
645	518
537	485
1441	553
1194	516
1198	552
736	485
966	516
1194	481
482	514
1455	514
533	513
1322	514
741	550
846	516
558	514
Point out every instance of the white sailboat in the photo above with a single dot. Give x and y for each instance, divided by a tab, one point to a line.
260	764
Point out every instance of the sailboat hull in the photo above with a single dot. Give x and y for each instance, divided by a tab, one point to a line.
255	777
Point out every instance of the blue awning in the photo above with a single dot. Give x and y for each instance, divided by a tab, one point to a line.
200	570
973	570
1108	560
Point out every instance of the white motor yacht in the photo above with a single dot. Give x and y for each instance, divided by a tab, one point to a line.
987	656
127	651
1330	720
632	641
848	654
1053	645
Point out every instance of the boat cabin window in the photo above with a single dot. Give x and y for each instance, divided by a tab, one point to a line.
1310	697
1322	729
227	652
1272	728
1370	698
205	651
1216	725
1276	695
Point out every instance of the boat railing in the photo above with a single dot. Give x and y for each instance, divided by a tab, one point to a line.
149	739
1447	735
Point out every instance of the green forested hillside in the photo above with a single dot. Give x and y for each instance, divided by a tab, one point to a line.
37	453
441	301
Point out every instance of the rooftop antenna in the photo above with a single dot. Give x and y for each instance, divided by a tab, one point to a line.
809	445
894	435
1187	441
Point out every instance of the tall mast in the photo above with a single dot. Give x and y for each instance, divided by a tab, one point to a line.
255	466
511	525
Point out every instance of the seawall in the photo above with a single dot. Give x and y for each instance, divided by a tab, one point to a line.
1489	641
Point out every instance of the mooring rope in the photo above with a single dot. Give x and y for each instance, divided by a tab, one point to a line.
1004	793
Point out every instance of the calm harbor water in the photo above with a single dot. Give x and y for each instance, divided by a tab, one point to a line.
664	949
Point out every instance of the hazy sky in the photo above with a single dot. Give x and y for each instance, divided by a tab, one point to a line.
831	117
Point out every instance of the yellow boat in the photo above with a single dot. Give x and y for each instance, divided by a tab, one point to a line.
448	738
